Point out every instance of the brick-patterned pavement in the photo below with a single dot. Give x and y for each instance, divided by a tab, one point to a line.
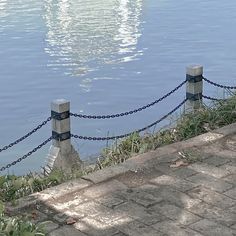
147	197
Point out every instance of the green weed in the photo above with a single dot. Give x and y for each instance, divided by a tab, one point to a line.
18	226
207	118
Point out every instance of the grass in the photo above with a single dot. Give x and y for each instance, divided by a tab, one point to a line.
207	118
18	226
13	187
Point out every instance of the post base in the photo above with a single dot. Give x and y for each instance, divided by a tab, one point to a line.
63	161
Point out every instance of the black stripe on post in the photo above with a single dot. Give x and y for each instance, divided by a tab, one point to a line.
193	97
61	137
60	116
193	79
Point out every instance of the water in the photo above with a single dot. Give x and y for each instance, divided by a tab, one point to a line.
104	57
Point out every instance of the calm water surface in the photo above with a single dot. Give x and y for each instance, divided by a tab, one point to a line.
104	57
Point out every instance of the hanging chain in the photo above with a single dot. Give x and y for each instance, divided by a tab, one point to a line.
26	136
26	155
213	99
128	134
129	112
219	85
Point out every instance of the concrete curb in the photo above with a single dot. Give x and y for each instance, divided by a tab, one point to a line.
131	164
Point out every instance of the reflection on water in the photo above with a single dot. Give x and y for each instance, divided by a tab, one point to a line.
84	34
3	4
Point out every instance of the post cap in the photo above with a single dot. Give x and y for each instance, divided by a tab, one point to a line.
194	70
60	105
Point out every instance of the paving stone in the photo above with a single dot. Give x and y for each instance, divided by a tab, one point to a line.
74	214
176	213
49	211
106	173
61	217
198	141
147	216
212	149
68	202
151	189
93	227
119	234
184	172
66	231
162	159
153	218
212	197
230	144
225	153
35	216
230	167
210	182
171	195
165	168
214	213
110	201
230	178
216	160
139	177
139	196
233	209
104	188
122	221
90	209
172	228
109	216
135	228
227	130
231	193
210	228
50	226
209	170
62	189
233	227
174	182
176	197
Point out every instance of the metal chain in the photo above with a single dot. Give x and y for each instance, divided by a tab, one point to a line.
128	134
128	112
26	155
219	85
213	99
26	136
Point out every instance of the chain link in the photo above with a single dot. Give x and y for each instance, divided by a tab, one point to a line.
26	136
26	155
213	99
219	85
128	134
129	112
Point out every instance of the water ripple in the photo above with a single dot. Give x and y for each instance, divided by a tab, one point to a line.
79	32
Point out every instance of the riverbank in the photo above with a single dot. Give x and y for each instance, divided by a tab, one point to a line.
207	118
188	125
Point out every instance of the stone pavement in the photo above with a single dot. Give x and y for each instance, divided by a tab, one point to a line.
153	194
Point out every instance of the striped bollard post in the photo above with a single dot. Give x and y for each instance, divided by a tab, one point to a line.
194	87
62	154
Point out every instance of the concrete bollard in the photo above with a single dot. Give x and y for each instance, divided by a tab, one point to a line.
62	154
194	87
